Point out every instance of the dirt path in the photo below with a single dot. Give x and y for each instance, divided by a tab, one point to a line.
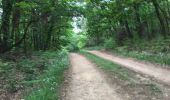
87	83
159	74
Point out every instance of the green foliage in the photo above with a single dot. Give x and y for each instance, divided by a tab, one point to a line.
12	85
36	24
7	72
127	21
95	48
82	40
73	46
77	41
26	5
4	66
109	43
156	50
161	58
40	75
46	87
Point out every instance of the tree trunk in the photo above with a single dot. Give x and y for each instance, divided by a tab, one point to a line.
15	24
161	20
138	20
5	26
128	29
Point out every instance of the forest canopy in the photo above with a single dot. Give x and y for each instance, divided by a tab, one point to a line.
47	24
128	19
36	24
38	36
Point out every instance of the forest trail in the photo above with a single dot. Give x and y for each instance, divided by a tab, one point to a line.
157	73
87	83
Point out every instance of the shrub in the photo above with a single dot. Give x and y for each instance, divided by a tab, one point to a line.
109	43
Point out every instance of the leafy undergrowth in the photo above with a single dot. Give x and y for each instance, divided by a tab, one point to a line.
38	77
156	50
160	58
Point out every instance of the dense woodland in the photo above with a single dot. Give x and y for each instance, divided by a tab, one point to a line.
35	24
128	21
46	24
41	32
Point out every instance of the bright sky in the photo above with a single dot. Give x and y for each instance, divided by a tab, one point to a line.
74	24
76	30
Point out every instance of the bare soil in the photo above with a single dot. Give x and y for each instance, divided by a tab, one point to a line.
158	73
87	83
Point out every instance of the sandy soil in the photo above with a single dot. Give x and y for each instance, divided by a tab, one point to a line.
87	83
158	73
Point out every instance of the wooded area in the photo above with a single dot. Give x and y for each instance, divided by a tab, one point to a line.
43	25
36	37
35	24
128	20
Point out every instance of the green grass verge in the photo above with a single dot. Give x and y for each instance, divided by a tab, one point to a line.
108	65
160	58
39	76
119	71
47	85
94	48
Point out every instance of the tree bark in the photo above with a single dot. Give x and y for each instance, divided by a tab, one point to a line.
5	26
161	20
15	23
128	29
138	20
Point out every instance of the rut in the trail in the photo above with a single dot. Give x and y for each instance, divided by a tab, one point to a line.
87	83
158	73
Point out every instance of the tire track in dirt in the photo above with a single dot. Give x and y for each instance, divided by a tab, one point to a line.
87	83
158	73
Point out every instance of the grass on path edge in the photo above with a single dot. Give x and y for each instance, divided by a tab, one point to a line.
47	86
107	65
